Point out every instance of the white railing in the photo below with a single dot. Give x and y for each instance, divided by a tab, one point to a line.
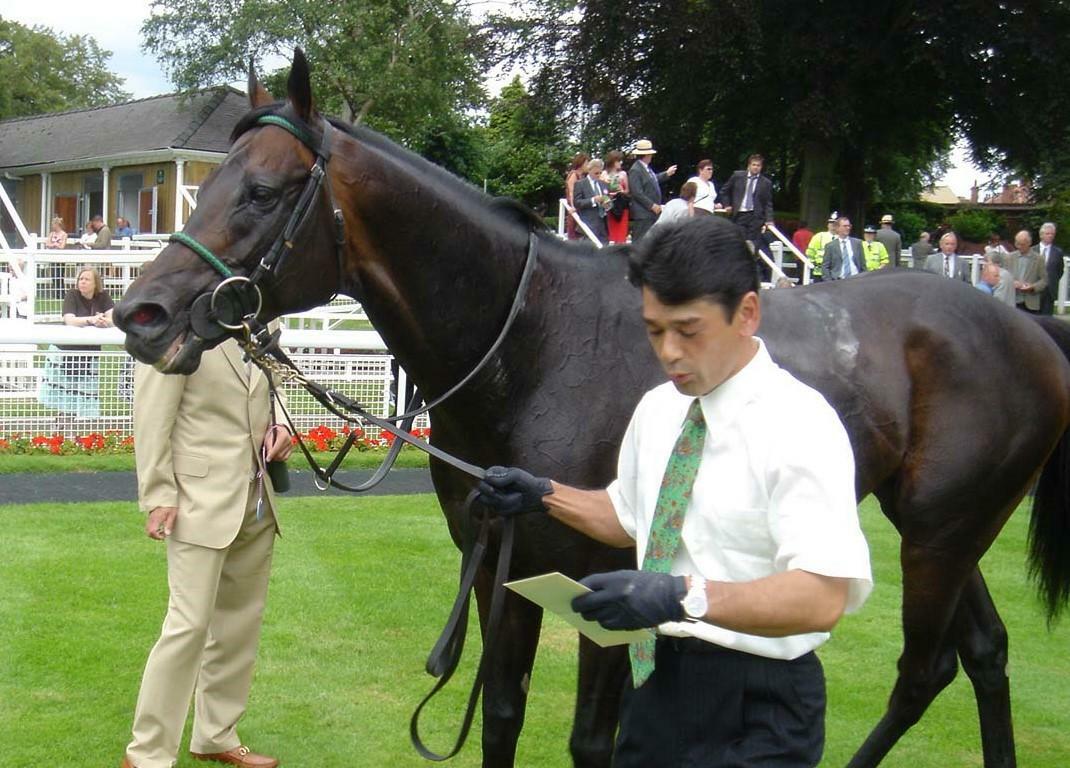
564	210
808	266
46	390
38	280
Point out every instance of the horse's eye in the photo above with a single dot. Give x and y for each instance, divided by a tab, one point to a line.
261	195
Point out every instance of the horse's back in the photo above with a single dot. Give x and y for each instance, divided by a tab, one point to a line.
915	363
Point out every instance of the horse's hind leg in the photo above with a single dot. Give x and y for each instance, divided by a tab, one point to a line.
505	690
932	583
602	672
982	644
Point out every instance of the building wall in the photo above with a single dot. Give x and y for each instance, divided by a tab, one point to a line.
72	183
28	203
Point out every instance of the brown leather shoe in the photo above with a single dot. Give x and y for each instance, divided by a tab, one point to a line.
242	756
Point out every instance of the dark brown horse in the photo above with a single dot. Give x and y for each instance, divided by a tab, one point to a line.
953	403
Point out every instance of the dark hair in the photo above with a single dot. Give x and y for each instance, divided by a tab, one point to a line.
755	156
704	164
578	160
96	217
614	156
688	190
704	257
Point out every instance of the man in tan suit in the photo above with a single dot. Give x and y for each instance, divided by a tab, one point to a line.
201	442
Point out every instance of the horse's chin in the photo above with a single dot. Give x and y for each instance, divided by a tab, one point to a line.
183	356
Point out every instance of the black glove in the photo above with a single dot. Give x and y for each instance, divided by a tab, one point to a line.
512	491
632	599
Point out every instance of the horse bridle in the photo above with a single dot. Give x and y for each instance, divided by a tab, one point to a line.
232	308
239	298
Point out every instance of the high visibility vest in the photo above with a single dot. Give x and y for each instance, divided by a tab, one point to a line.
816	250
876	255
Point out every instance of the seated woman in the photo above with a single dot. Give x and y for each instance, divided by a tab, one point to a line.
71	384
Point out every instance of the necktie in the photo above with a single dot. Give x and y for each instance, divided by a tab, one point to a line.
748	198
673	500
848	266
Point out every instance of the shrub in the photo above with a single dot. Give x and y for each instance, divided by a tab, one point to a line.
974	224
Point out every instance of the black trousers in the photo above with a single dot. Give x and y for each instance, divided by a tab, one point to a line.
710	707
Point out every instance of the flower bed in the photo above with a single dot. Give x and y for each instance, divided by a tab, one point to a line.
320	438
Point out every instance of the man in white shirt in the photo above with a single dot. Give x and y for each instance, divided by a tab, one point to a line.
747	532
1051	256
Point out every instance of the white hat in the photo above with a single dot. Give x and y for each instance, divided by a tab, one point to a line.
887	219
644	147
834	216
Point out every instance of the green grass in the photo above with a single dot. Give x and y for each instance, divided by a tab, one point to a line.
359	590
124	462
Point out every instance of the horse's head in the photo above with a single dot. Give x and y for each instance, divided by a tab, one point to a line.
244	226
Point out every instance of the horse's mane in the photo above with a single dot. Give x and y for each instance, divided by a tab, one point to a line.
496	210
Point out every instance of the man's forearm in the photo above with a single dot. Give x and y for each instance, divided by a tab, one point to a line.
589	512
789	603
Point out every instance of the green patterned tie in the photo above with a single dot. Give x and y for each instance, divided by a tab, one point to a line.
673	500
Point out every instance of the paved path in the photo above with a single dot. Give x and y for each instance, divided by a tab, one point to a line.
122	486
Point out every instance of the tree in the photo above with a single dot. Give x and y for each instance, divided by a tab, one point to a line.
400	66
42	71
526	152
852	102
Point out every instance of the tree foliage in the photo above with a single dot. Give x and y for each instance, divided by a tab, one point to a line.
851	102
400	66
526	155
42	71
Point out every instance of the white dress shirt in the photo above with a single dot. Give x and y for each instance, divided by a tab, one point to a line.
707	193
774	492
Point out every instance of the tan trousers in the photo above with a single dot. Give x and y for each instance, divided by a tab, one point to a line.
207	645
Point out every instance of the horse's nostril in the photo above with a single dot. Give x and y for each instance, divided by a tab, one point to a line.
145	314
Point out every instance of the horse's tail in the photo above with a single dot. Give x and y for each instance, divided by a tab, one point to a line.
1049	527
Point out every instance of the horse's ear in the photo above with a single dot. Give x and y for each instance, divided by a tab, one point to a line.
299	86
258	95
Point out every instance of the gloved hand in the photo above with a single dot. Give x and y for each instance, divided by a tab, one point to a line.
632	599
512	491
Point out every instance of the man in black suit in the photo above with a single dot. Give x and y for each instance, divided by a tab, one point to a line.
1052	256
748	196
589	196
644	186
843	255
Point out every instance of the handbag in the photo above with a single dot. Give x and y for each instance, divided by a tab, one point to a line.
620	205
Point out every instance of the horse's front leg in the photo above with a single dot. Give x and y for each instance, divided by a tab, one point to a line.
512	655
602	673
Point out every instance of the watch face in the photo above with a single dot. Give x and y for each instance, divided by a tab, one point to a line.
695	604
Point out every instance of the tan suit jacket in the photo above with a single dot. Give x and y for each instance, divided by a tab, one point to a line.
197	442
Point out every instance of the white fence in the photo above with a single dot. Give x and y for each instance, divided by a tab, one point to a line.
47	390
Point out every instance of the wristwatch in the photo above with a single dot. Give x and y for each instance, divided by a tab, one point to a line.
694	602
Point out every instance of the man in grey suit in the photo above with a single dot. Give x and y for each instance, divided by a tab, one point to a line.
644	186
589	196
1030	279
890	239
921	250
843	254
948	262
1052	257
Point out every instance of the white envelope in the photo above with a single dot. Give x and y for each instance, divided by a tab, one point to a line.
554	592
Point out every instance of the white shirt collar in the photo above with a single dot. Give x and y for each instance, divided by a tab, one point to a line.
724	401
